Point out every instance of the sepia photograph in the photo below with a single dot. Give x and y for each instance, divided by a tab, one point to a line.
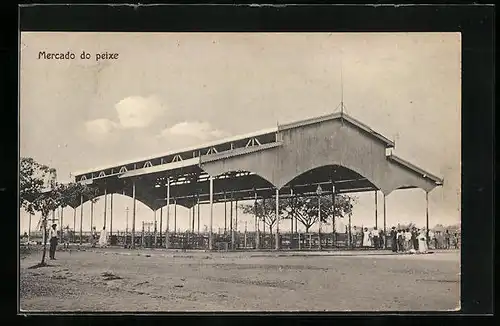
239	172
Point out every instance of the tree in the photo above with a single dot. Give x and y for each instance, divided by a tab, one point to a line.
266	210
38	195
305	209
32	177
410	226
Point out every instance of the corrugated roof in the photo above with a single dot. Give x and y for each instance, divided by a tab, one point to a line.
182	150
161	168
414	168
334	116
285	126
238	151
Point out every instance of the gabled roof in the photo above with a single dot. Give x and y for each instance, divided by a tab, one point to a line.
335	116
187	149
415	169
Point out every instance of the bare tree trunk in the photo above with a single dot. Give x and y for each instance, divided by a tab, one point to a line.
271	235
44	240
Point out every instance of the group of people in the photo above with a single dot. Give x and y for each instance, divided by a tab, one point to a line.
445	240
53	237
369	239
103	238
402	240
409	241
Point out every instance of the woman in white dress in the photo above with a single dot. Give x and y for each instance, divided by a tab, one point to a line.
103	239
422	242
367	240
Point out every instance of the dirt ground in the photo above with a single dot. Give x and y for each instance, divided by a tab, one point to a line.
161	280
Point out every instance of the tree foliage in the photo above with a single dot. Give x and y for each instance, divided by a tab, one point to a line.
266	210
304	209
38	195
32	177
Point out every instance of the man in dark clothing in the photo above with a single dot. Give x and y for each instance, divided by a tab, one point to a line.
401	242
375	238
414	238
53	241
447	240
394	238
381	239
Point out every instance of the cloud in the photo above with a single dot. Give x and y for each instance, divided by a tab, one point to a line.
138	112
100	126
195	129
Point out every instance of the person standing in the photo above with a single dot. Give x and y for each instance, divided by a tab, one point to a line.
354	237
375	241
447	240
381	239
408	243
103	240
414	238
65	238
93	237
401	240
394	239
367	241
53	241
422	242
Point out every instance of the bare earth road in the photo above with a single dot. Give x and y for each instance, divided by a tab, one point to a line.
156	280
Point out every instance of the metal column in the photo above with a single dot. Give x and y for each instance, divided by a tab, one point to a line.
74	224
277	245
91	214
111	216
61	221
105	206
175	215
385	225
319	221
161	224
427	217
210	239
198	212
236	223
167	240
236	215
231	221
225	214
333	215
81	218
264	216
349	234
257	233
291	217
376	209
192	221
294	202
133	215
29	228
155	229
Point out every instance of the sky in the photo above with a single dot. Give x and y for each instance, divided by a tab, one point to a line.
172	90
